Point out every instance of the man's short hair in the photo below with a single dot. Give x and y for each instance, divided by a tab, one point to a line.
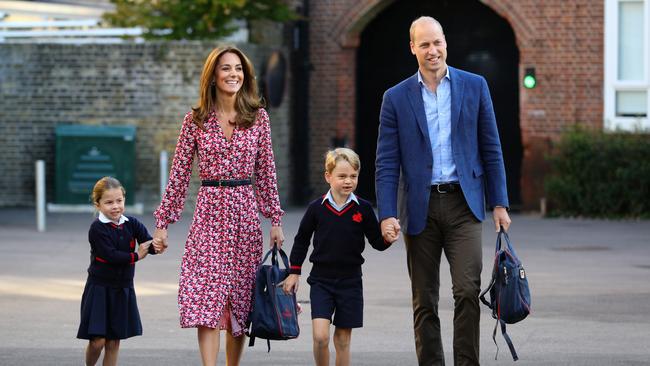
422	19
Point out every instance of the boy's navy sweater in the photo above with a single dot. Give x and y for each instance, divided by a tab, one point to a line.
112	251
338	238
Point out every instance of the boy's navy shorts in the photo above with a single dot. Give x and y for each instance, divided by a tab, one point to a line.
341	297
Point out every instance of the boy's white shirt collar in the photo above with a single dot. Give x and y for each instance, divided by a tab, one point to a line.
102	218
330	198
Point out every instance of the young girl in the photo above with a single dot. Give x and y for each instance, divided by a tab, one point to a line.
109	311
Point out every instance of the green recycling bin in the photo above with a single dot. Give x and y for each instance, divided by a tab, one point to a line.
84	154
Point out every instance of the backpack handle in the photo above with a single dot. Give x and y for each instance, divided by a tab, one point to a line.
274	256
499	246
508	245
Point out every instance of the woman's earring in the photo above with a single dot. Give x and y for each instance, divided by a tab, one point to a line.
213	83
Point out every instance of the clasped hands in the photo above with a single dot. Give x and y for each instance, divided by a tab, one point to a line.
390	229
160	240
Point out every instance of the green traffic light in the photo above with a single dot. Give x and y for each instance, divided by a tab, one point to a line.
529	81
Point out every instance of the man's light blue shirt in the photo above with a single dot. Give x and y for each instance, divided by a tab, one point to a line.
437	107
328	197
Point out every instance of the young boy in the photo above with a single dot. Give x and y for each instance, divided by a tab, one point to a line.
338	221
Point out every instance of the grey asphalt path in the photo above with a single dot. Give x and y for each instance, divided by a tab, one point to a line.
590	282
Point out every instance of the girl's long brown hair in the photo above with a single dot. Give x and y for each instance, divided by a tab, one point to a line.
247	100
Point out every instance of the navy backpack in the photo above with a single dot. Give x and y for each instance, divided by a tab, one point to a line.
274	314
509	293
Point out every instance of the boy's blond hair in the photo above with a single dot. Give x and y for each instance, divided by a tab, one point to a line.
342	153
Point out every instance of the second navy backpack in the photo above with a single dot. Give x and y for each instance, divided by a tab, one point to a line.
509	292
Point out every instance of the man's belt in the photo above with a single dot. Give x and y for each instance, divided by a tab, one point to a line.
445	187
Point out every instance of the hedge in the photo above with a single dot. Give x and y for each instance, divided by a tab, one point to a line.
600	174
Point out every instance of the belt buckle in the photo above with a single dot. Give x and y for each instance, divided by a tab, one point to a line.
438	189
219	183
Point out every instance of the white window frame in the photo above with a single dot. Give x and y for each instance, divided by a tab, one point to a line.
612	84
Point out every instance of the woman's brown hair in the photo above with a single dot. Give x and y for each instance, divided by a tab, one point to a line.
247	100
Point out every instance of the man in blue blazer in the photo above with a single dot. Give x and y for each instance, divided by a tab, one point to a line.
438	162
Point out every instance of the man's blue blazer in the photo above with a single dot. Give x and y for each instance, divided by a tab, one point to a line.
404	157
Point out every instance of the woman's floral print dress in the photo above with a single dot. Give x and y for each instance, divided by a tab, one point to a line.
224	245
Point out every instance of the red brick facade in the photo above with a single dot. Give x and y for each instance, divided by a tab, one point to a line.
563	40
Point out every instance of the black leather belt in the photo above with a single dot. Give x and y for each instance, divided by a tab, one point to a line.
446	187
225	182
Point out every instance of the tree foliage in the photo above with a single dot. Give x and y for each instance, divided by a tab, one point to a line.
193	19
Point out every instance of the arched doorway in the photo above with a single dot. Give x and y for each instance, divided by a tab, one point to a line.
478	40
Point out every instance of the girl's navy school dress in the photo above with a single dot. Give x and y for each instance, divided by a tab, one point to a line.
108	306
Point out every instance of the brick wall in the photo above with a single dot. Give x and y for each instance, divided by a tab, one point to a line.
563	40
332	86
148	85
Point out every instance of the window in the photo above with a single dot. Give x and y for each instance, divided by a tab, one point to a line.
627	65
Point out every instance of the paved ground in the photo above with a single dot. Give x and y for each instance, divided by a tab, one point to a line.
589	280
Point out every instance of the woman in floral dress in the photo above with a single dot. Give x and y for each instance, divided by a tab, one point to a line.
230	133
